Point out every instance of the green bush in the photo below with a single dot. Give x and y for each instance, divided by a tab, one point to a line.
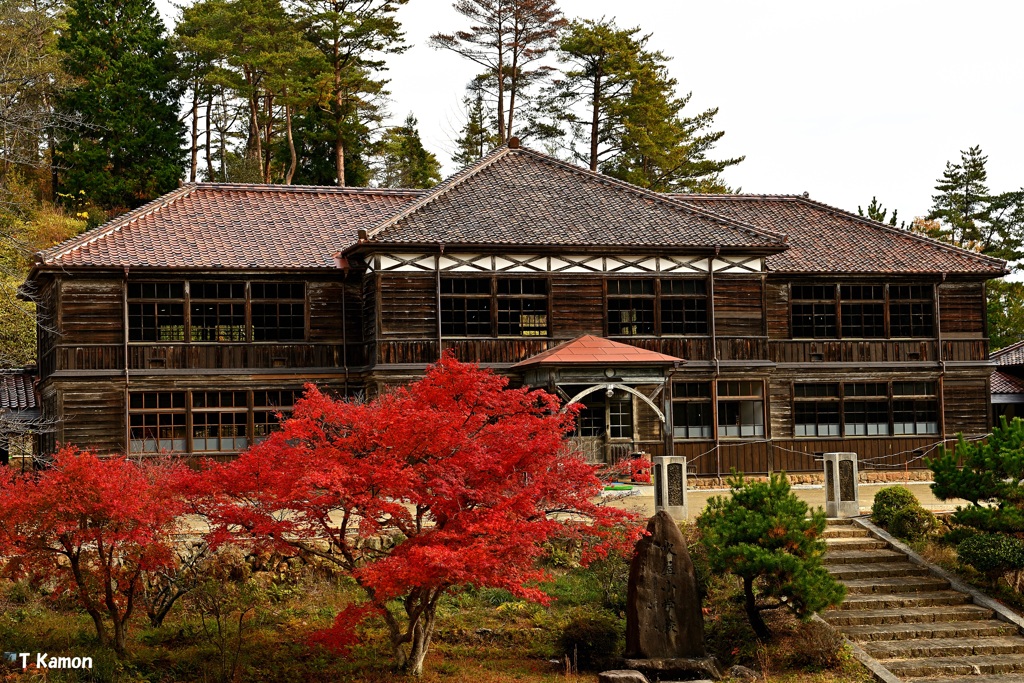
888	502
912	523
591	640
992	554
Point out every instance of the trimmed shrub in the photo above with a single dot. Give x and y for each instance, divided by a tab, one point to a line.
992	554
591	640
889	501
815	646
912	523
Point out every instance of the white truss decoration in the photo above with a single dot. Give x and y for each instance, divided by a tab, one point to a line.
527	263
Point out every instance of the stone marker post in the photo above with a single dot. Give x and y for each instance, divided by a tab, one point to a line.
669	475
842	496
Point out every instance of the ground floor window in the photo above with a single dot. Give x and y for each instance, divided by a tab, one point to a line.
816	410
205	421
691	410
740	409
865	409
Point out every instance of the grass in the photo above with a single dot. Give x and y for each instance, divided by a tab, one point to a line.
485	635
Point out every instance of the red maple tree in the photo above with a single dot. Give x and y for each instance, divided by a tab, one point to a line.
95	524
454	480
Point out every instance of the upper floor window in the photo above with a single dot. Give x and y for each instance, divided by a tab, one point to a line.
859	311
156	311
641	307
217	311
278	311
486	307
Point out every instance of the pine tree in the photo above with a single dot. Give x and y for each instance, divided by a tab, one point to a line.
877	212
763	535
962	199
127	148
476	139
404	162
508	38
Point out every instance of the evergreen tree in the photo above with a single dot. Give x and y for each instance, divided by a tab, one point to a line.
476	138
508	39
962	199
763	535
404	162
126	150
1005	312
877	212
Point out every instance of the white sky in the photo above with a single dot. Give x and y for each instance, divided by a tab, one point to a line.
842	100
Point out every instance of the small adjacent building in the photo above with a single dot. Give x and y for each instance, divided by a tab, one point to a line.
1007	383
742	331
20	418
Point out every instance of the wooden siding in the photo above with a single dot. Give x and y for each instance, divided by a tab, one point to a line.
843	351
325	321
577	307
92	311
967	405
738	306
408	306
962	309
93	415
777	309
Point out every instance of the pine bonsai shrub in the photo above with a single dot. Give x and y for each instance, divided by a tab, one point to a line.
992	554
762	534
889	501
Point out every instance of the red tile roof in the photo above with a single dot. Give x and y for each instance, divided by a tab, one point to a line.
1009	355
518	196
209	225
824	239
1005	383
591	350
17	390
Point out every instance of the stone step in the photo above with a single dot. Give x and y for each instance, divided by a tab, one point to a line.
946	629
843	521
865	601
834	557
977	665
996	678
842	544
899	584
909	615
876	570
845	532
945	647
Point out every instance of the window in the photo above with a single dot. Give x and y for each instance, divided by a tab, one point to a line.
866	409
466	307
267	404
630	307
814	311
157	422
219	420
217	311
862	310
156	311
278	311
816	410
691	410
915	408
620	416
684	307
740	409
911	311
522	308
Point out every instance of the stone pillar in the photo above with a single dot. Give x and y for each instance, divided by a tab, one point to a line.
842	496
669	475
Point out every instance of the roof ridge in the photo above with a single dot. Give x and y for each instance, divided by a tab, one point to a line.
442	189
331	189
650	194
113	225
906	233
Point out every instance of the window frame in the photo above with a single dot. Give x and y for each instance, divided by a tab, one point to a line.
759	429
701	401
495	298
924	402
658	296
923	296
144	302
159	411
818	401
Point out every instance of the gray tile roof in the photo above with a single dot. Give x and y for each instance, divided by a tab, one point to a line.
17	390
1009	355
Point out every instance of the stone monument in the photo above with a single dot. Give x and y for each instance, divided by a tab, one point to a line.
842	497
664	621
670	485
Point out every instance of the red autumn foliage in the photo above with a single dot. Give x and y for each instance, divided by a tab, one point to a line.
454	480
94	524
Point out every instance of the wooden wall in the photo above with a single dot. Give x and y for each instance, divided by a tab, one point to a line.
962	309
739	310
93	415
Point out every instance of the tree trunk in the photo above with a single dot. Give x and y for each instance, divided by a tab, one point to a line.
595	120
420	644
339	118
291	145
753	614
501	91
195	134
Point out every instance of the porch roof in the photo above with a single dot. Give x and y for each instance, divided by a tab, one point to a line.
591	350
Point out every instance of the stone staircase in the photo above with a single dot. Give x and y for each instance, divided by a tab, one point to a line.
913	623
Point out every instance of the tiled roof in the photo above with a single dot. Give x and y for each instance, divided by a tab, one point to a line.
591	350
824	239
1009	355
234	226
1005	383
516	196
17	390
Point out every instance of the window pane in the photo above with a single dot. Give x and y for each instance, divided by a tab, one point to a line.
740	418
816	418
522	308
465	317
863	319
684	316
630	316
620	418
692	419
866	418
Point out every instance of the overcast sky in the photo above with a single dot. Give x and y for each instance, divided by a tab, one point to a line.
843	100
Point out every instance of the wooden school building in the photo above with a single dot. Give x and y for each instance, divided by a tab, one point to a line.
742	331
